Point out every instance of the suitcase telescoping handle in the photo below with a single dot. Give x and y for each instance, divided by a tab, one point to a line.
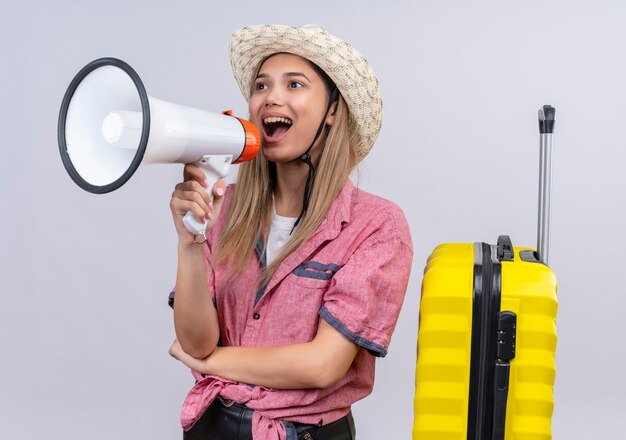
546	129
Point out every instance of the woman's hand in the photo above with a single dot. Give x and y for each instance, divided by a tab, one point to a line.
190	195
176	351
199	365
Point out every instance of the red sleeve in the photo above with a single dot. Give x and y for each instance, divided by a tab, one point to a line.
366	294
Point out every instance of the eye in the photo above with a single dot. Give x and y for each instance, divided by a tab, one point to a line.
295	85
260	86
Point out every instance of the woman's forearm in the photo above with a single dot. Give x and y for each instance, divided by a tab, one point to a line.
288	367
316	364
195	318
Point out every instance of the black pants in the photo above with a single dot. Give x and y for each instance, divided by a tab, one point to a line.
231	421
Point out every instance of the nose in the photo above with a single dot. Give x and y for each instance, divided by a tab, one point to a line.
274	96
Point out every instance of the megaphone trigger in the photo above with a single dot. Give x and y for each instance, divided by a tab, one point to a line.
215	167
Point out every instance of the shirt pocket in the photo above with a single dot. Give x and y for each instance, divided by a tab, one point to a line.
314	275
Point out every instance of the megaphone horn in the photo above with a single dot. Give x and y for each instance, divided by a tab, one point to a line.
108	126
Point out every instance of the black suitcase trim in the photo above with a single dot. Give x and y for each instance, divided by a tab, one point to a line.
486	306
493	344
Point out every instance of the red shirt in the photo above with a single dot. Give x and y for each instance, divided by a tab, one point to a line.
352	272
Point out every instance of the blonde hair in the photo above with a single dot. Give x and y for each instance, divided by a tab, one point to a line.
250	211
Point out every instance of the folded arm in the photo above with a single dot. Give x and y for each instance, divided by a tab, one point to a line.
317	364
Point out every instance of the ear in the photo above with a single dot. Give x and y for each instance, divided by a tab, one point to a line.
331	114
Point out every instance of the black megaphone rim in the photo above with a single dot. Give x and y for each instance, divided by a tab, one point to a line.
145	132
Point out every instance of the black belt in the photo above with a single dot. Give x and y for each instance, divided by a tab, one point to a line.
228	420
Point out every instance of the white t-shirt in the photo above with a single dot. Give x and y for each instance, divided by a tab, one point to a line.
278	236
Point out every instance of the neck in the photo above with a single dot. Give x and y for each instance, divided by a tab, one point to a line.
290	181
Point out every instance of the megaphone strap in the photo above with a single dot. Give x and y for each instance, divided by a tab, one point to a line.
306	158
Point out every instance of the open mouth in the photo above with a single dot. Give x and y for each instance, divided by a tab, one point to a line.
275	128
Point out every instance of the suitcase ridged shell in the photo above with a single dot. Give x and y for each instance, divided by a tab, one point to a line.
444	346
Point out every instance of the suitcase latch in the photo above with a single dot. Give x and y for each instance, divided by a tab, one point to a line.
507	322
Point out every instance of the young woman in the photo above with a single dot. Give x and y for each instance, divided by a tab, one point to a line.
281	312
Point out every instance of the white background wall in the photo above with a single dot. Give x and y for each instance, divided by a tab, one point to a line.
84	326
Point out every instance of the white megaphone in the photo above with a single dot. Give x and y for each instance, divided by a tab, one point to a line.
108	126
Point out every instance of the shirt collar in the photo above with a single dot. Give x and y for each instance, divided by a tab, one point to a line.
338	214
341	209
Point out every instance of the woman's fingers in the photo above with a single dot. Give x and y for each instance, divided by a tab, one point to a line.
191	196
194	191
193	172
175	349
183	206
193	186
219	189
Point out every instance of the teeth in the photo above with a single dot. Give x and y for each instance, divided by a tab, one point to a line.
273	120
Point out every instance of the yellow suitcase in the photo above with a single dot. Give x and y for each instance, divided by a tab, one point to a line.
487	334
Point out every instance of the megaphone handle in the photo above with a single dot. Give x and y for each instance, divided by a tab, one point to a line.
215	168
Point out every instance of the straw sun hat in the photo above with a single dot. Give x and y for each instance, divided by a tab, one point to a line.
353	76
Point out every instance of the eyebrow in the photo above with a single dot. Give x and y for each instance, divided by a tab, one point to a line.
287	74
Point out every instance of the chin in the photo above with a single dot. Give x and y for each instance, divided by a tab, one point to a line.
278	154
